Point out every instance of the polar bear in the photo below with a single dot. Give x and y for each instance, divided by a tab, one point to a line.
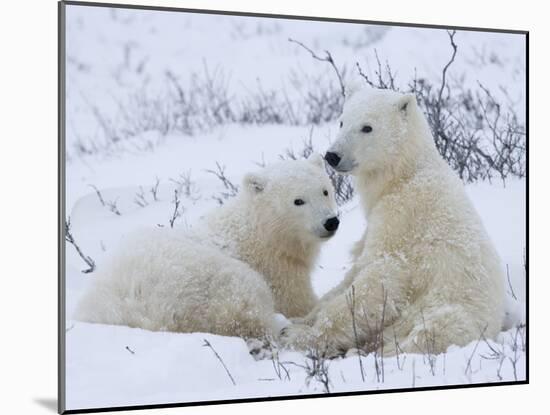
425	274
249	260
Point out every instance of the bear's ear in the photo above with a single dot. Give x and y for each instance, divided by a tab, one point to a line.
352	86
254	183
317	160
405	103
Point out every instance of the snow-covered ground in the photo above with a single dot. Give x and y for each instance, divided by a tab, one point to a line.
111	54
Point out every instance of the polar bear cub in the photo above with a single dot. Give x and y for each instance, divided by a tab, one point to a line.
425	274
250	259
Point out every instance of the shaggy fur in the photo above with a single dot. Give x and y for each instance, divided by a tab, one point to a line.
250	259
425	271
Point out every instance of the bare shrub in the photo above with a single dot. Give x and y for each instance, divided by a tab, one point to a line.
350	300
140	199
202	101
398	351
496	353
517	344
178	211
375	334
501	352
261	106
155	189
231	189
109	204
427	345
480	137
201	104
145	111
371	326
342	184
303	153
468	369
280	369
473	132
185	185
316	366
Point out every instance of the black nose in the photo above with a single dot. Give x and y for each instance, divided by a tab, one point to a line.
332	158
332	224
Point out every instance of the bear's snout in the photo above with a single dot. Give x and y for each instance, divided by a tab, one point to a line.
333	159
331	224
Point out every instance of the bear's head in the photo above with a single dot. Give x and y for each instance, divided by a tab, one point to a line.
374	132
293	200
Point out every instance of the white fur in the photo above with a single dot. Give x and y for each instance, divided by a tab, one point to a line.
425	248
250	259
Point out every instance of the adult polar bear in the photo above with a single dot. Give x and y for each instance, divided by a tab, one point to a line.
425	262
250	259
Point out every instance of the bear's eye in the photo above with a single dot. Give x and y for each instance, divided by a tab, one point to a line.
366	129
299	202
325	192
341	124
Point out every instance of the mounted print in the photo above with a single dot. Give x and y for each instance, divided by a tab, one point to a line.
260	207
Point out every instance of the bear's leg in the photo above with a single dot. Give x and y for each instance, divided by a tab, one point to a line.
246	317
239	302
340	289
433	330
100	304
352	318
334	332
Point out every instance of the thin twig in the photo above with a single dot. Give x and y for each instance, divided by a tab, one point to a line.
176	214
69	238
328	58
510	283
207	344
350	299
364	75
397	349
381	330
110	204
481	337
444	75
278	366
154	189
140	199
231	188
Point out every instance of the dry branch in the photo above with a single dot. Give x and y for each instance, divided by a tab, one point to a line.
350	299
154	189
109	204
231	189
177	213
69	238
207	344
327	58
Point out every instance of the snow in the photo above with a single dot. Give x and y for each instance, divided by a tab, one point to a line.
118	366
121	366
